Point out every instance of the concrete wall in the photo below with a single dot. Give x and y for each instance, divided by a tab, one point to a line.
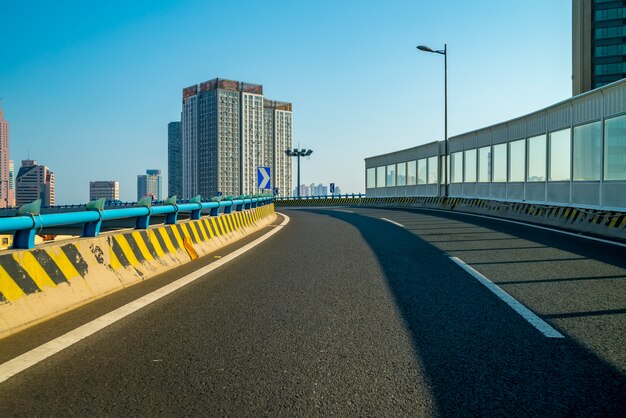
39	283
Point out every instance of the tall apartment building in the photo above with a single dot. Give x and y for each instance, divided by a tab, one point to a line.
224	138
174	159
7	194
34	182
277	131
149	185
108	189
598	43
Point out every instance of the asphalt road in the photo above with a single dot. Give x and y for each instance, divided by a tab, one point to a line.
344	313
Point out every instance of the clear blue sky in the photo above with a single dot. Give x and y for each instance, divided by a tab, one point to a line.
89	87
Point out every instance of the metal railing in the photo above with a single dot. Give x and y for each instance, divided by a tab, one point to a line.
335	196
26	226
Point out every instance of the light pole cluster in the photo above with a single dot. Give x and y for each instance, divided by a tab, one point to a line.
443	52
298	153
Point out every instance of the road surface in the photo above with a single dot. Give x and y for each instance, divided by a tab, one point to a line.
354	312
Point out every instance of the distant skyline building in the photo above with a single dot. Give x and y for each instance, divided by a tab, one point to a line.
107	189
7	196
34	182
225	137
149	185
174	159
598	43
315	190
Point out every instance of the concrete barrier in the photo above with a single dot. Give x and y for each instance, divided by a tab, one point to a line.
604	223
38	283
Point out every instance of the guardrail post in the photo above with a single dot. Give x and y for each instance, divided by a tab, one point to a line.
239	207
143	222
215	211
195	213
92	229
172	217
229	208
25	238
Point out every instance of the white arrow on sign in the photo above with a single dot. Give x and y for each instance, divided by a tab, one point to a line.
264	177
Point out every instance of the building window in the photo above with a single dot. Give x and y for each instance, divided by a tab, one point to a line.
380	176
470	166
401	177
588	152
421	171
391	175
537	158
371	178
411	176
484	165
517	160
560	155
612	32
432	170
615	148
456	167
499	163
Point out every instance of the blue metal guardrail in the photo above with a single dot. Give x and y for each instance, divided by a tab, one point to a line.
26	226
335	196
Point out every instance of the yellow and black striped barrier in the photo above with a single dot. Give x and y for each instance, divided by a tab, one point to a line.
36	283
611	223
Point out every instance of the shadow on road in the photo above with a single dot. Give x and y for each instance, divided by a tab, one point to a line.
479	357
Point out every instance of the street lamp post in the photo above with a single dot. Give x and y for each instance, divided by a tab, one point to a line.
443	52
298	153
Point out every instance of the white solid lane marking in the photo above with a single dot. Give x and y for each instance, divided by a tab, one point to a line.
575	234
34	356
393	222
541	325
344	211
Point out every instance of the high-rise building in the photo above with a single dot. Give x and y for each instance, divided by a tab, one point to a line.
598	43
149	185
107	189
5	201
34	182
174	159
11	183
224	138
277	131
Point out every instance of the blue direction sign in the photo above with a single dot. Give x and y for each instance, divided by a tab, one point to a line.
275	191
332	188
263	178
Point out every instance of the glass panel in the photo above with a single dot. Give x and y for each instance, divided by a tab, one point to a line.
401	179
470	166
499	163
380	176
560	155
588	151
391	175
371	178
517	160
456	167
484	164
537	158
421	171
615	148
411	176
432	170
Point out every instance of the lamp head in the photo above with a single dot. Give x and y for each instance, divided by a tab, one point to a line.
424	48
